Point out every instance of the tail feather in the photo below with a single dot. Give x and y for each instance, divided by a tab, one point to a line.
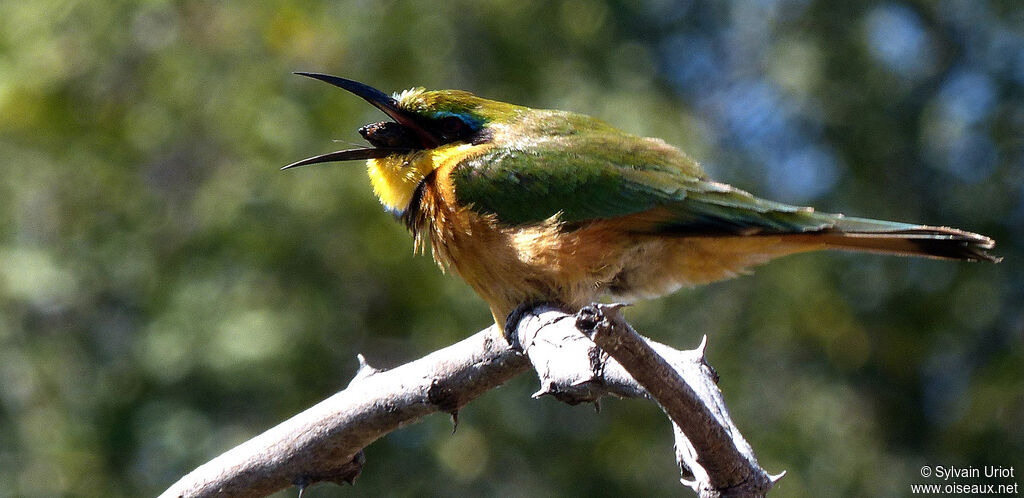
862	234
721	210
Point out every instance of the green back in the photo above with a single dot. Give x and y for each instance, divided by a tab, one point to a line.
583	170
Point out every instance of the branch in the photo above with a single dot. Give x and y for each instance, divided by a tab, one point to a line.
325	442
581	357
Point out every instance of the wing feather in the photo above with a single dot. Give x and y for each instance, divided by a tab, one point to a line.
601	173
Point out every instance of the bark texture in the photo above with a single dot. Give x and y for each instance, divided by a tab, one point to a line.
578	358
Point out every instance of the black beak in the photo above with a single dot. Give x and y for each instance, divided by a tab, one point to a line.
381	101
346	155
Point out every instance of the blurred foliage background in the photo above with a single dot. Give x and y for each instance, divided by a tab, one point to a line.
166	292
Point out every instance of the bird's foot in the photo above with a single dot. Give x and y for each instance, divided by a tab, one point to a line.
512	324
513	319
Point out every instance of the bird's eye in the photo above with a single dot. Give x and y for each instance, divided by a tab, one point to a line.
452	124
454	128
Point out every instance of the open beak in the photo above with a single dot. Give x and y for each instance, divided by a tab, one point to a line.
381	101
345	155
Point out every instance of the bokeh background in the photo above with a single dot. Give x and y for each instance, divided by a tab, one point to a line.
166	292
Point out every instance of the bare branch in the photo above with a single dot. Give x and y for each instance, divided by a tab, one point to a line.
708	444
325	442
581	357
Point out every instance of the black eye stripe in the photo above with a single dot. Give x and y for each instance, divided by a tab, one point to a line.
452	123
389	134
452	129
444	130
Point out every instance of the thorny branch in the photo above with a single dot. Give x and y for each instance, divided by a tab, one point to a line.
325	442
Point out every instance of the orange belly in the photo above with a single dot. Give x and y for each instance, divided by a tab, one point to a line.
574	266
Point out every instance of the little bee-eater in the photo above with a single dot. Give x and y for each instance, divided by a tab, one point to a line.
534	206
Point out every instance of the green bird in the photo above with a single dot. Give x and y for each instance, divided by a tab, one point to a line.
531	205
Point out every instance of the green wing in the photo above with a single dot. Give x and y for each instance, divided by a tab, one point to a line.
603	173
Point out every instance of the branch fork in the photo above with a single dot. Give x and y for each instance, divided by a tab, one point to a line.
579	358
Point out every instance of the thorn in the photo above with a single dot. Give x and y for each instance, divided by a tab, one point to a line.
302	482
612	311
597	406
690	484
365	369
365	365
613	307
544	389
703	347
455	421
775	478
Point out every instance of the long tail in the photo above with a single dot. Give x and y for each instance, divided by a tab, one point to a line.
862	234
718	209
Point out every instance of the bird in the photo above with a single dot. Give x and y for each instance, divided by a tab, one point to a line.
533	206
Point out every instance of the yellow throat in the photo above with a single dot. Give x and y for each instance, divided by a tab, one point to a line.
395	178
